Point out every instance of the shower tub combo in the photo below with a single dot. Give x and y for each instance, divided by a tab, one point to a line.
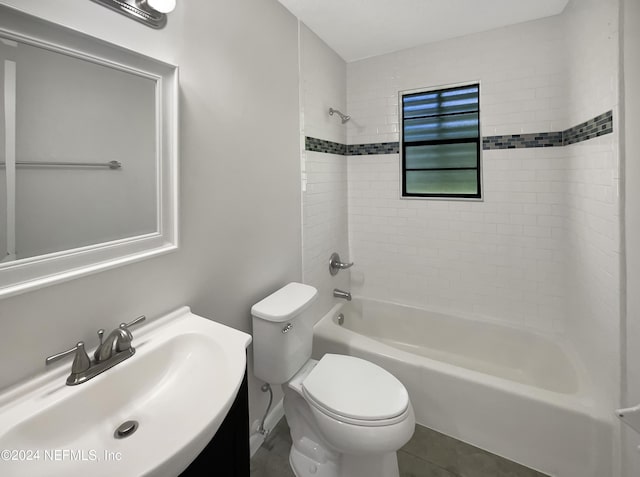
511	392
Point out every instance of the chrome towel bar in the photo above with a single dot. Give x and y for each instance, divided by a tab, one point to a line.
110	164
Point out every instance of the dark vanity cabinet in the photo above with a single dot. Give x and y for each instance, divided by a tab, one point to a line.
227	454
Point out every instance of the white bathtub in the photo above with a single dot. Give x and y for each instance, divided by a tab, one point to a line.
508	391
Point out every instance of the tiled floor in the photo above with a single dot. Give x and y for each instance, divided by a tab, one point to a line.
427	454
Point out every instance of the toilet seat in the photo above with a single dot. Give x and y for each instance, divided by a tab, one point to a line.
356	422
355	391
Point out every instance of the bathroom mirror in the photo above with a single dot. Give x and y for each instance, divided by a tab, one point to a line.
88	154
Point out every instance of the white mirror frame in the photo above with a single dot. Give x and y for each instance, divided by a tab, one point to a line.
32	273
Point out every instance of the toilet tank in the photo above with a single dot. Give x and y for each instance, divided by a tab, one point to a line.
282	333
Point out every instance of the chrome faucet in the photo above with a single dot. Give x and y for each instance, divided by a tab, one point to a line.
114	350
118	341
341	294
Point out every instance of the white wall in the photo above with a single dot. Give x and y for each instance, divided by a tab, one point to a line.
240	201
631	152
3	175
499	259
593	219
323	85
3	211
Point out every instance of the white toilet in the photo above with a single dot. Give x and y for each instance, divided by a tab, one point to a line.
347	416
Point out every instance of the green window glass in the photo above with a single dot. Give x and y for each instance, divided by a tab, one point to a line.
441	143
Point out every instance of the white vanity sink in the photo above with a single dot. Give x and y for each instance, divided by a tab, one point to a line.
179	386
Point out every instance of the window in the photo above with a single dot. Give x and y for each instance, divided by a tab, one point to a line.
441	142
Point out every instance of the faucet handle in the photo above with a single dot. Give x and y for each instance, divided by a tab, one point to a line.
96	354
335	264
138	320
124	341
81	362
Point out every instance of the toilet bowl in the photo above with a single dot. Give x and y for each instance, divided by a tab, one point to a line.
347	416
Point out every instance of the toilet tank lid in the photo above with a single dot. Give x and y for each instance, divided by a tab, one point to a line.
285	303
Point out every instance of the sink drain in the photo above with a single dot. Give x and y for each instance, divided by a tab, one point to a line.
126	429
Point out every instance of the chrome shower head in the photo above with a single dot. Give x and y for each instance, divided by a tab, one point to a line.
344	117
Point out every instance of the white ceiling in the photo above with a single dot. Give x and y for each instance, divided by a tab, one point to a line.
358	29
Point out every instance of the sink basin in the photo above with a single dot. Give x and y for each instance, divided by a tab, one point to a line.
178	386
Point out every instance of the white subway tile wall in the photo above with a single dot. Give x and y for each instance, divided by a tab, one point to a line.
500	259
593	226
542	249
521	69
592	62
592	184
325	224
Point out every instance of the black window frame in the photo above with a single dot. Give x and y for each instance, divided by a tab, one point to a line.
477	140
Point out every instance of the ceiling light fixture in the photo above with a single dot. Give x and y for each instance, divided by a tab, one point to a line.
152	13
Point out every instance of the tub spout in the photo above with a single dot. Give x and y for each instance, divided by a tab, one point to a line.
341	294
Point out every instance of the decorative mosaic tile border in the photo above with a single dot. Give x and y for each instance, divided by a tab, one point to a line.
516	141
373	148
320	145
598	126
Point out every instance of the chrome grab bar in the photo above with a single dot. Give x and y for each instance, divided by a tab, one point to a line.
335	264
